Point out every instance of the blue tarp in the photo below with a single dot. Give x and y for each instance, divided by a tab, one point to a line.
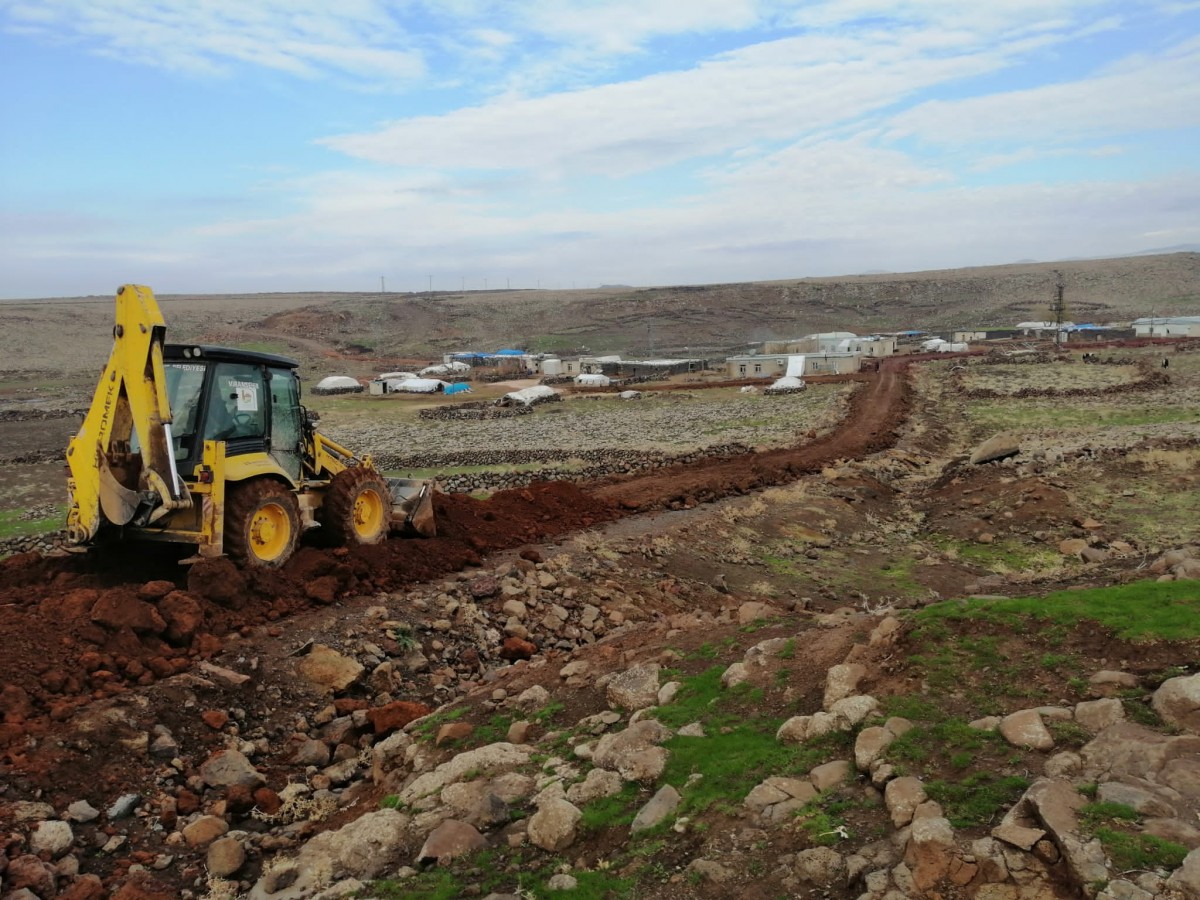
509	353
460	388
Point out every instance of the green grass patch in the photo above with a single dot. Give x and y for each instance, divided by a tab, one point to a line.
1101	812
428	729
913	707
1002	556
1038	413
13	525
610	812
1130	852
1115	825
977	800
739	751
1140	610
929	744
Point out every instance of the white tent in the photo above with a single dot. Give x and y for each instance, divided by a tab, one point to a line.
593	380
932	344
450	368
539	393
951	348
337	384
788	384
417	385
396	376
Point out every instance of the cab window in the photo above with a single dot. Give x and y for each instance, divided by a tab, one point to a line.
236	403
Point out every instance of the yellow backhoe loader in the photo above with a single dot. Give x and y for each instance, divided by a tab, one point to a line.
210	446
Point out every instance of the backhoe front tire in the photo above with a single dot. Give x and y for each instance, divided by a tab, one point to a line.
262	523
357	508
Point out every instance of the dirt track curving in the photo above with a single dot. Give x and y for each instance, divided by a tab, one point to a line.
85	627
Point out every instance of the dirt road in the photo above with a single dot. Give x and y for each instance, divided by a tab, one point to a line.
88	626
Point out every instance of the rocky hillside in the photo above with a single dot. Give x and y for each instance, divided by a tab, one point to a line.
702	318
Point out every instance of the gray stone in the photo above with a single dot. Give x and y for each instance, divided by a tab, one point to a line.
554	826
52	836
82	811
204	830
665	801
1017	835
450	840
903	796
227	768
999	446
1177	701
635	688
1186	878
1026	729
329	670
737	673
501	757
831	774
533	698
841	681
1096	715
855	709
225	857
562	882
1055	804
870	746
598	783
821	866
123	806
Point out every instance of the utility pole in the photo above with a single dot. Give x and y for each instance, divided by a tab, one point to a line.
431	284
382	285
1059	307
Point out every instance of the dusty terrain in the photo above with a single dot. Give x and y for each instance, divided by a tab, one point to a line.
124	674
329	332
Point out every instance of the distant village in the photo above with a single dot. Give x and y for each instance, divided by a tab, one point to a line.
785	362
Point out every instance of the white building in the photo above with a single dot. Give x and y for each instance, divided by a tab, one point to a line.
1167	326
774	365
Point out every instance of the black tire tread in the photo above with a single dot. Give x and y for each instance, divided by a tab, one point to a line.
337	508
241	502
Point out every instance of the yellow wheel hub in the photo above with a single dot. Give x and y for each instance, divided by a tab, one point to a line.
368	515
270	532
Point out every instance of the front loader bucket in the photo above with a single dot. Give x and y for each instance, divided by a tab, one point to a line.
412	506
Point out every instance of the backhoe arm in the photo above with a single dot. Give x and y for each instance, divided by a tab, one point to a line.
108	481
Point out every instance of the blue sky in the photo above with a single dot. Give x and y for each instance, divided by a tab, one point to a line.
258	145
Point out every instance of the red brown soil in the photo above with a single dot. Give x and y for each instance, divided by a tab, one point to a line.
64	645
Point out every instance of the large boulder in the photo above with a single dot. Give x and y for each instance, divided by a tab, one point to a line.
1178	702
635	688
365	848
554	826
1000	446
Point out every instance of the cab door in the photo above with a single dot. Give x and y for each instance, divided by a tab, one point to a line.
287	437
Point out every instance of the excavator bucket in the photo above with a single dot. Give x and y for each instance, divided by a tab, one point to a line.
412	506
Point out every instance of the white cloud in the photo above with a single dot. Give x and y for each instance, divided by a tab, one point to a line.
1141	94
360	39
771	91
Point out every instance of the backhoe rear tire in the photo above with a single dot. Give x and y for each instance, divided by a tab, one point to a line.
357	508
262	523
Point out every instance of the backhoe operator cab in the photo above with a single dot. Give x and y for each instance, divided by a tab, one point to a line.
251	401
209	446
